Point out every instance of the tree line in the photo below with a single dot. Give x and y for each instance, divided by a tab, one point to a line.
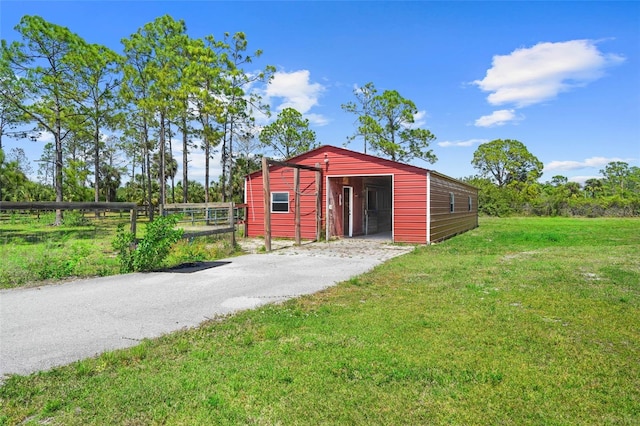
115	116
508	179
164	83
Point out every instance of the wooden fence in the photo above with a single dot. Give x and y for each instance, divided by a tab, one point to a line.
200	219
83	206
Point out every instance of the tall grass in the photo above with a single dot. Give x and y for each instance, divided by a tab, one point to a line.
521	321
33	252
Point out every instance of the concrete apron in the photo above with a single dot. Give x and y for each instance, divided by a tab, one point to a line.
48	326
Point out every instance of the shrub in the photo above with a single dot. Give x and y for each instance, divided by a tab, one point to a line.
150	252
124	244
75	218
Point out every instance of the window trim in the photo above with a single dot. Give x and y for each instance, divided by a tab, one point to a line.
470	203
452	202
288	202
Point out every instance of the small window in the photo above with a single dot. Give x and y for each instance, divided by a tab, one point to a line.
279	202
470	204
452	200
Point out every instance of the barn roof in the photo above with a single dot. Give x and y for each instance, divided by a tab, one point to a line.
349	152
363	157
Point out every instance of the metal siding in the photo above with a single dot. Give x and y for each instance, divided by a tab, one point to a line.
429	208
283	224
410	213
445	224
409	196
255	216
409	187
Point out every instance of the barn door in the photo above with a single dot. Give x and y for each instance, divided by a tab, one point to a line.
347	211
371	212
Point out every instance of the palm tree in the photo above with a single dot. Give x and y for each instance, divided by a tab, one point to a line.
170	169
593	187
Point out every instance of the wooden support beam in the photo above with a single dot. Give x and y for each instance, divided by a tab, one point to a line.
318	202
296	194
294	165
232	224
266	162
266	192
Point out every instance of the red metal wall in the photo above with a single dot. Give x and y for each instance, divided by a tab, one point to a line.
409	188
282	224
410	208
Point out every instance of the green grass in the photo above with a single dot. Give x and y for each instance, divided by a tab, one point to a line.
521	321
33	252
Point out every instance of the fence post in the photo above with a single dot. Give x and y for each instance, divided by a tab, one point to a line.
232	222
134	217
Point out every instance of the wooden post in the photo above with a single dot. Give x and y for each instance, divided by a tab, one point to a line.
246	220
232	224
134	217
318	203
266	193
296	194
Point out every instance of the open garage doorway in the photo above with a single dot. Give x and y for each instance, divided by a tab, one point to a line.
360	206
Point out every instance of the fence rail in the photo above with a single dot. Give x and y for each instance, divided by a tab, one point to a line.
52	205
205	218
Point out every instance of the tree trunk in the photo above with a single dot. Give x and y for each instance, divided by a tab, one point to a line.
58	172
185	160
207	154
96	164
133	171
173	172
223	155
147	161
230	165
161	170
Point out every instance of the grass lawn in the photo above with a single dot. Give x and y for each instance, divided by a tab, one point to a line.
521	321
33	251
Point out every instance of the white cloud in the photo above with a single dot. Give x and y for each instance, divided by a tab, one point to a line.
45	137
582	179
497	118
419	119
528	76
593	162
295	91
196	164
317	119
469	142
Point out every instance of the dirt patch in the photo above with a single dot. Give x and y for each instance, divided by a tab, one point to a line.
343	248
256	245
520	255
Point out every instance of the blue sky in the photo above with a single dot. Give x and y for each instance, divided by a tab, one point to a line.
561	77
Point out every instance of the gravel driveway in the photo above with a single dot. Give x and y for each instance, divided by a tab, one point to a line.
43	327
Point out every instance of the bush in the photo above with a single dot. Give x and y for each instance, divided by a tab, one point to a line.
124	244
75	218
150	252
